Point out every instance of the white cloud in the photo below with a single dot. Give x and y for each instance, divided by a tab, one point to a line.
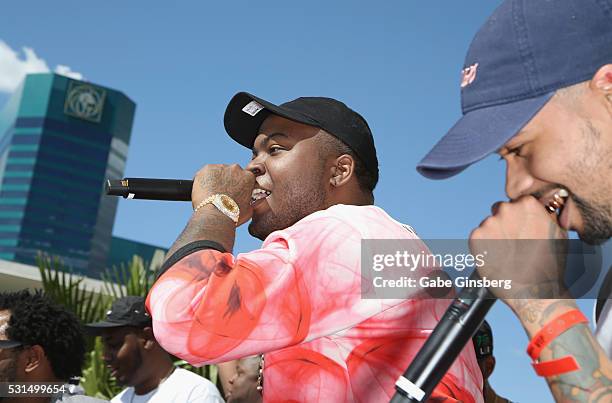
66	71
14	67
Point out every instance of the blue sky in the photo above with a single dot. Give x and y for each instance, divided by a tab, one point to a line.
398	63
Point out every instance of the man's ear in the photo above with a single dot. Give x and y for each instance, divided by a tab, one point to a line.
602	83
33	357
342	170
149	338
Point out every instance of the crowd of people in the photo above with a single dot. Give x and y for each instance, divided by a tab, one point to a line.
287	321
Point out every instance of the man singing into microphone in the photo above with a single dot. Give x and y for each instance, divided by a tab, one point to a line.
308	193
537	89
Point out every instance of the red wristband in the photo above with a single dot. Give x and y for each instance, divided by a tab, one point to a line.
552	330
556	367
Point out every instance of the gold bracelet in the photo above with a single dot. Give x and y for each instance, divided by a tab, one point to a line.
224	204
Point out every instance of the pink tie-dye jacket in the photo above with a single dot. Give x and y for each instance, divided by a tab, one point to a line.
298	300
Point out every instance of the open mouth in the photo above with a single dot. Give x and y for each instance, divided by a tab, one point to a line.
259	194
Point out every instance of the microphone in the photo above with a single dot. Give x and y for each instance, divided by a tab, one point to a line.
150	189
459	323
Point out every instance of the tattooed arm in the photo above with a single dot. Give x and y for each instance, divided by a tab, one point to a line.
208	223
536	268
592	382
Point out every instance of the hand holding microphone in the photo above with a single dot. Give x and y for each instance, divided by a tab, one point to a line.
524	243
230	180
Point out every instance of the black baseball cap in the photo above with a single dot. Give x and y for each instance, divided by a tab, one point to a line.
245	113
126	311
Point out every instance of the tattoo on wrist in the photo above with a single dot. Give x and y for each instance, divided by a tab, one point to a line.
591	383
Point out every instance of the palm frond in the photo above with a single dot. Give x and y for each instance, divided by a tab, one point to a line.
66	288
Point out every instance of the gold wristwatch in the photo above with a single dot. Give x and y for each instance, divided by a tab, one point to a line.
224	204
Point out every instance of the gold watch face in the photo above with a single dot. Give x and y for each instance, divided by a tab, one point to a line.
228	203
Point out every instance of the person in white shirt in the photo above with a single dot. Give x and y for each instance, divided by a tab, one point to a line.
137	361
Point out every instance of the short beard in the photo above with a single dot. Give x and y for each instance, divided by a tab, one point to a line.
597	221
597	217
299	203
299	200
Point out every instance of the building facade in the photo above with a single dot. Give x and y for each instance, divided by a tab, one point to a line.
122	251
59	140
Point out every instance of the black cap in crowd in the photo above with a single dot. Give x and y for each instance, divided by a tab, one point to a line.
126	311
245	114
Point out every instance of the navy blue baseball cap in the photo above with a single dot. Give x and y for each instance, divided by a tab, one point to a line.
524	52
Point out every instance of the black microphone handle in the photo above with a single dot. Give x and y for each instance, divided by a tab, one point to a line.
459	323
150	189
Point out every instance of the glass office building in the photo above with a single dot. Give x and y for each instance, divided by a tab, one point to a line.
123	250
59	140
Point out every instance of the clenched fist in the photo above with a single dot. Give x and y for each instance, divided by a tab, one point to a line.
231	180
522	242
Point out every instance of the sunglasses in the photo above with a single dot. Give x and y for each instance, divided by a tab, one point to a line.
6	344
